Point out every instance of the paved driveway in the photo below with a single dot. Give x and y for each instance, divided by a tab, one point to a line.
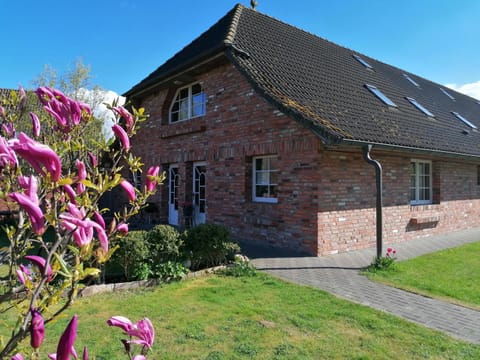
339	275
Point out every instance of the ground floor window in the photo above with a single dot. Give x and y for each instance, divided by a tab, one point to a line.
265	179
420	182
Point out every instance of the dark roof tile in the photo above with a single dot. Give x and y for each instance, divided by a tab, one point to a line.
323	86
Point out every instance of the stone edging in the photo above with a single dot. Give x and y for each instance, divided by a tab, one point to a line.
105	288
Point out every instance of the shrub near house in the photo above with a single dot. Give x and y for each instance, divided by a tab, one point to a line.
161	252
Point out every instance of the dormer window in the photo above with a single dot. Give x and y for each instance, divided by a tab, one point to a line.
189	102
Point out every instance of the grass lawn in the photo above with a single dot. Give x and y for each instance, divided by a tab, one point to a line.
451	274
253	318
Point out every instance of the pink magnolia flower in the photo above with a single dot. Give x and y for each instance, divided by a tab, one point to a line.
35	124
125	114
17	357
8	129
23	97
122	136
85	353
139	357
122	322
81	227
23	274
68	112
41	263
99	219
67	340
152	173
81	174
30	185
40	156
122	228
143	330
70	193
7	155
33	211
37	329
93	159
129	189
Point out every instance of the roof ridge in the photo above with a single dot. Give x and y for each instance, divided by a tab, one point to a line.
232	30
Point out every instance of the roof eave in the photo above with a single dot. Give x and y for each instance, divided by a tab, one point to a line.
178	71
423	151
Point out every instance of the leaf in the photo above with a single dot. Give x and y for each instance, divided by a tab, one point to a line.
63	265
90	272
89	184
65	181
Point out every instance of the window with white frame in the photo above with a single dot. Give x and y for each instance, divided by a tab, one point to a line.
265	179
420	182
189	102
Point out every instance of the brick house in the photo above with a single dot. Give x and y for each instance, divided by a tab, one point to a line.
267	129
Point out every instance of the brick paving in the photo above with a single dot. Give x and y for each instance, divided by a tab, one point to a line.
339	275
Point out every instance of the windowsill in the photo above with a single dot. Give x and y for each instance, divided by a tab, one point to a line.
265	200
182	128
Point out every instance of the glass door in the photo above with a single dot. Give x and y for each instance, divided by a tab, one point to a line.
199	193
173	186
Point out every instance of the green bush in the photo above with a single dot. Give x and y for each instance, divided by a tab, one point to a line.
163	243
128	261
241	267
169	271
209	245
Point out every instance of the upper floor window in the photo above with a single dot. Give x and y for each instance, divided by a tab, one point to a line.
189	102
420	182
265	179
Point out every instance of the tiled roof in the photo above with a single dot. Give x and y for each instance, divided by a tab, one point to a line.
323	86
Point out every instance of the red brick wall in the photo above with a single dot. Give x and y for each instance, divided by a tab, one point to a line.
347	214
238	126
326	195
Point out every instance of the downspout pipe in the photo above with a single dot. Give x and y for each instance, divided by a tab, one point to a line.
379	204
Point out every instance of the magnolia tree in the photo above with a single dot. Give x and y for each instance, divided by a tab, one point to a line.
59	238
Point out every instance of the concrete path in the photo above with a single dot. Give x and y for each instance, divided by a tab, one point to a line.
339	275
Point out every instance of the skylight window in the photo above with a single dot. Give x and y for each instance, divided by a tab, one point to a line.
363	62
375	91
411	80
461	118
447	93
419	106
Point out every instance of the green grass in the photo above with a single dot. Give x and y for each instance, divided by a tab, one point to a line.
253	318
451	274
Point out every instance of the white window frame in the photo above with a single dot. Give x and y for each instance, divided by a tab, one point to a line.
416	201
189	100
255	197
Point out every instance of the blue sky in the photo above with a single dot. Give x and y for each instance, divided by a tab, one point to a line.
125	40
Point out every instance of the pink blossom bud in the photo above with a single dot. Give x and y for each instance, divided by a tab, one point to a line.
152	173
35	124
122	136
37	329
129	189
